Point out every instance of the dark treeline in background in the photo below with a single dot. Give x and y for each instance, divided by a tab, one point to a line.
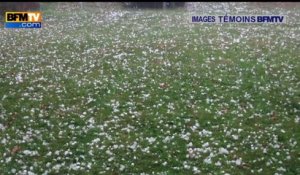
154	4
27	6
18	6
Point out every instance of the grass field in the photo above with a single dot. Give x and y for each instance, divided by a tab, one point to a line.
120	91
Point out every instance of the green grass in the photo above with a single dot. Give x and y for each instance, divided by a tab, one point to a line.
174	81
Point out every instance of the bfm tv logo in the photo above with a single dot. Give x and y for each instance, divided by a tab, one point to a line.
23	20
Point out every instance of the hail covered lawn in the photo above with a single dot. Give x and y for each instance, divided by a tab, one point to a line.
116	91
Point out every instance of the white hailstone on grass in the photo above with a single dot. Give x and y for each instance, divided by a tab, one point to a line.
96	140
7	160
72	126
57	167
46	172
115	146
195	127
146	150
91	120
19	78
281	169
56	152
74	166
236	40
111	159
205	144
30	153
186	136
196	170
208	100
68	152
89	100
297	119
30	173
166	139
265	150
223	151
4	141
151	139
186	166
13	171
89	165
4	97
238	161
2	127
91	152
49	153
205	133
48	164
207	160
145	96
133	146
122	167
191	153
218	163
235	137
108	152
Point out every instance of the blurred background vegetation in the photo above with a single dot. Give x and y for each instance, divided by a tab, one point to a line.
25	6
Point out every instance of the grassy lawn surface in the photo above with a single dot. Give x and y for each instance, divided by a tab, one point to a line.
107	90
